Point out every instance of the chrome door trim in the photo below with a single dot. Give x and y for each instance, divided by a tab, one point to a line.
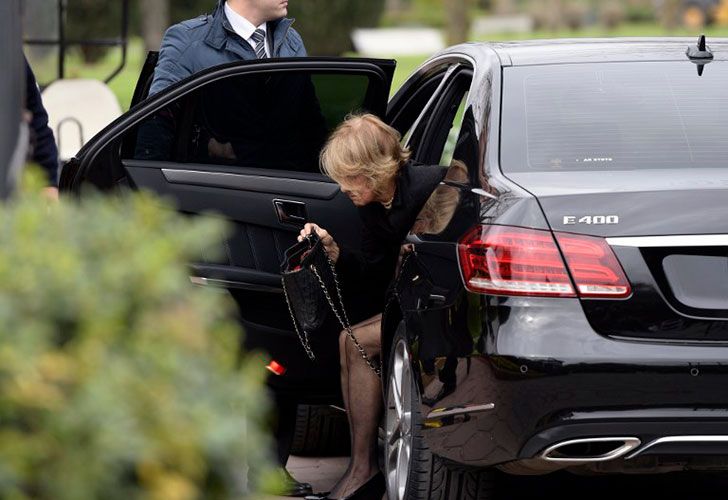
686	240
255	183
433	98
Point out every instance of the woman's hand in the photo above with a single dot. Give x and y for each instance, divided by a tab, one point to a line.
332	249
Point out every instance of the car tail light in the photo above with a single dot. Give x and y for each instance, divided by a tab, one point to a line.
506	260
594	267
276	368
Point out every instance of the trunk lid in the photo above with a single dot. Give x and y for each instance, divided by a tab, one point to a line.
669	231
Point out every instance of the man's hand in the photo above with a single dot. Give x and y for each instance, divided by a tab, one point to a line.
332	249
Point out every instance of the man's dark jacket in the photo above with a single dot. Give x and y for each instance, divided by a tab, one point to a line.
209	40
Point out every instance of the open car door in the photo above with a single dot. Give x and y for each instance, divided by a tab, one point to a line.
242	141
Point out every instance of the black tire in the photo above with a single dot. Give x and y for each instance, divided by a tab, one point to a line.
430	477
321	431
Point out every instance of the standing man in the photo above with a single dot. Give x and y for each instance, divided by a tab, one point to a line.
236	30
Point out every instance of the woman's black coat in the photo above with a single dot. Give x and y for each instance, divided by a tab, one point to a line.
366	274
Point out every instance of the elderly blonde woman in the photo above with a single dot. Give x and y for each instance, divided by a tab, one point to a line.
365	157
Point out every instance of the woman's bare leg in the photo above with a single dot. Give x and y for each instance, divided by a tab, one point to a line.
363	405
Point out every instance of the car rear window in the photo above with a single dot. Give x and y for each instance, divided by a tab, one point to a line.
614	116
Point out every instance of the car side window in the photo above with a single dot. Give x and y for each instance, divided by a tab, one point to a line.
412	115
453	141
452	136
442	126
275	121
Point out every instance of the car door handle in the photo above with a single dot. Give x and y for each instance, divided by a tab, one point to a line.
290	212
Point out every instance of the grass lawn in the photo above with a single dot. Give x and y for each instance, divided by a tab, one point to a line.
124	83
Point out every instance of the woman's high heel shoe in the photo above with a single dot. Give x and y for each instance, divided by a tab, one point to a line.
373	489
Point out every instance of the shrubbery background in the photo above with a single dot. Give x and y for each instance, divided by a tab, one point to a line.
118	378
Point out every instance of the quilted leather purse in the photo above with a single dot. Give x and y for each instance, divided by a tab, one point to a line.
310	284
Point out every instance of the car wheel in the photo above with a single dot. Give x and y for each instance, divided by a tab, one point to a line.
412	471
321	431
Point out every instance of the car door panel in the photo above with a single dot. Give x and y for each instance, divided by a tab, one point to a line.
259	237
253	183
264	198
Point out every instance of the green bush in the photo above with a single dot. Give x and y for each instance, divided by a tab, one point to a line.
326	26
640	12
611	14
118	378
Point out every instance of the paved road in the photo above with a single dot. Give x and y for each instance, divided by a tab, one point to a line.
323	472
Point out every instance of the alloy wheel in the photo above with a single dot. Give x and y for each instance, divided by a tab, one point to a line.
399	423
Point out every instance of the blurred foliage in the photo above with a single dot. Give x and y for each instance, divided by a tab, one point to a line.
611	14
88	19
430	13
640	11
721	13
326	26
93	19
575	15
180	10
118	379
669	13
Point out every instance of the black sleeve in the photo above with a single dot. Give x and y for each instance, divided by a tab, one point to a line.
45	152
366	274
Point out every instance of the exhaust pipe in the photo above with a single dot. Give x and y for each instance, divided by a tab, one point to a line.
579	451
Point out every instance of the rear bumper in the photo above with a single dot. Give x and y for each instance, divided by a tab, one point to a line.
659	431
550	378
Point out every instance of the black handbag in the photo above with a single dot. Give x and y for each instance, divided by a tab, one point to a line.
309	284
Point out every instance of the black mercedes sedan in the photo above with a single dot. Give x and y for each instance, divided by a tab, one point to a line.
570	309
562	301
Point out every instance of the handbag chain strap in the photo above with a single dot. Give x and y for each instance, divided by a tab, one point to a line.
303	338
345	319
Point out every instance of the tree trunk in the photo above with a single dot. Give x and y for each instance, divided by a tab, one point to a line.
155	20
670	13
504	7
458	21
556	14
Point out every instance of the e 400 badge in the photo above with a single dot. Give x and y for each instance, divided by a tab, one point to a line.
572	220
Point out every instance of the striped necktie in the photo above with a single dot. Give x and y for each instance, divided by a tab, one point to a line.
259	39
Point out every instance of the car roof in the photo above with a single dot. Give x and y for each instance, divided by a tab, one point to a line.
584	50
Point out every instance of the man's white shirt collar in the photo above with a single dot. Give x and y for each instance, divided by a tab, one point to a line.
243	27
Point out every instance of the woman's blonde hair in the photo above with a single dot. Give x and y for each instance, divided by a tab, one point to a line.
364	145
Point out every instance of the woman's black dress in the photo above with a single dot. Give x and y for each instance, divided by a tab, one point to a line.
365	275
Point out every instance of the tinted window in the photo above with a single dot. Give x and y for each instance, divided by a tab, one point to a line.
452	136
415	112
273	121
618	116
450	210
